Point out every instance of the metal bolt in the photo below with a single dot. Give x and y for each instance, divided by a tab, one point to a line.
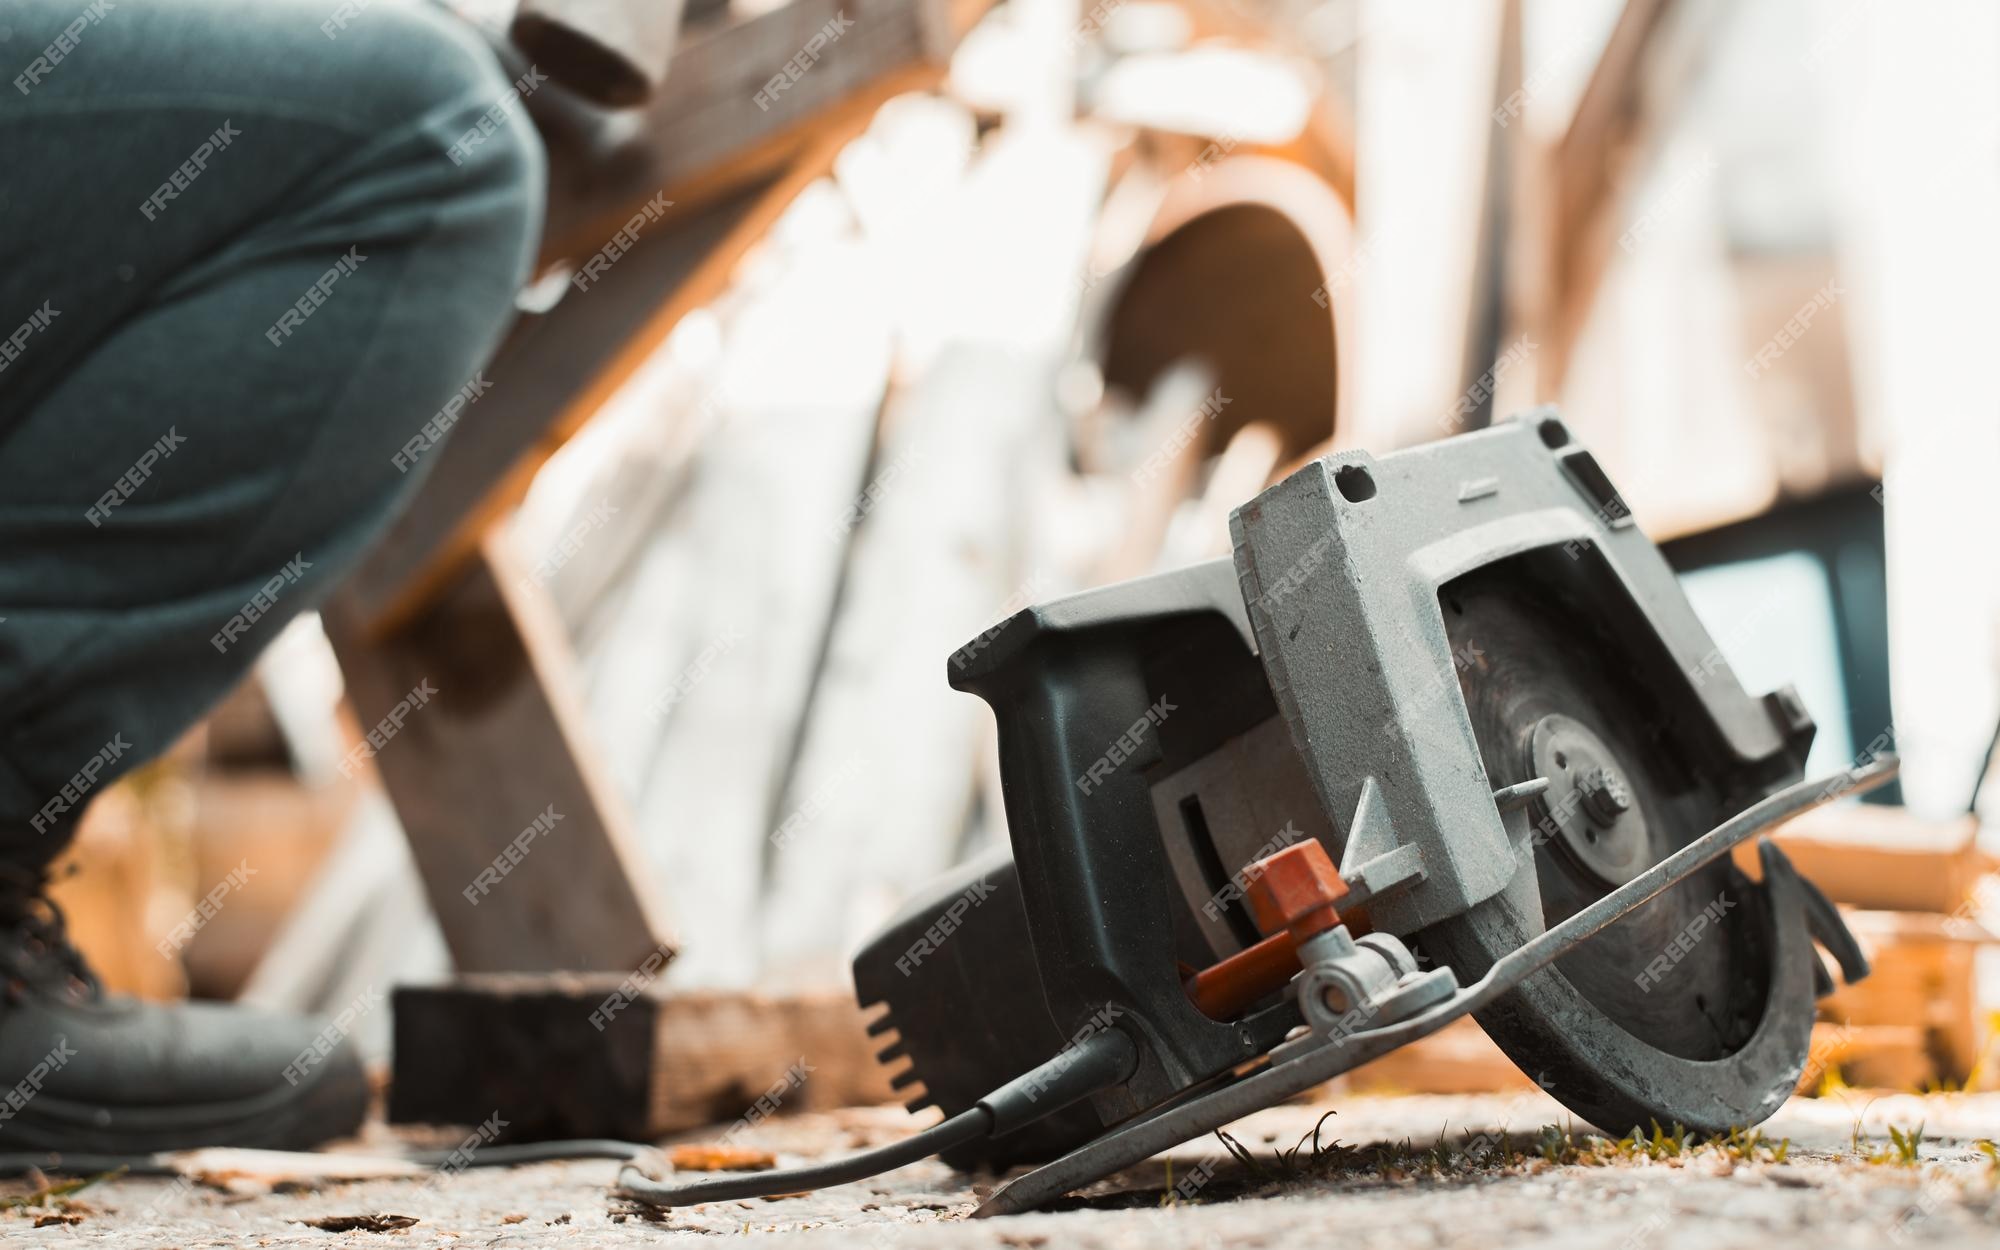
1605	796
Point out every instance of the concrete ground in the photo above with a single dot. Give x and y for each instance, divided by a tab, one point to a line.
1385	1184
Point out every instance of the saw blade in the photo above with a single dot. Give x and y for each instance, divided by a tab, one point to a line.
1550	693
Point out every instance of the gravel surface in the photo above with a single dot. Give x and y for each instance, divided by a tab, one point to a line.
1385	1184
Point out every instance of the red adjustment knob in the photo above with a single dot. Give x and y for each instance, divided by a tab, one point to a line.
1291	896
1294	891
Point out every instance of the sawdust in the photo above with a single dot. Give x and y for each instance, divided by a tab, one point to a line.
702	1157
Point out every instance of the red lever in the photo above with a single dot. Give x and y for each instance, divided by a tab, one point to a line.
1292	896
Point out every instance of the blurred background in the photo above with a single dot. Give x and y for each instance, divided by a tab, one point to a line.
1043	322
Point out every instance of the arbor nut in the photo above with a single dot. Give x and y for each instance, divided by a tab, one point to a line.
1605	796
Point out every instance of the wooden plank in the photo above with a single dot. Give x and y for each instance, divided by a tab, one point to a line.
492	775
1426	87
438	569
702	693
1646	73
935	555
532	1048
113	888
264	819
714	126
1917	113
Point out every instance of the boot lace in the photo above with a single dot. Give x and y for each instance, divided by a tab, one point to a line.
35	950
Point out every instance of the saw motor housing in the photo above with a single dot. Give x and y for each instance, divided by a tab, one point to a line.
1160	736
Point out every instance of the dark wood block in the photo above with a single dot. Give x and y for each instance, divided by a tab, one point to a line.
529	1048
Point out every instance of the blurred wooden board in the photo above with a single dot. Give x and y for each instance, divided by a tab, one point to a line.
492	776
1429	158
1640	84
265	821
1879	1056
1926	980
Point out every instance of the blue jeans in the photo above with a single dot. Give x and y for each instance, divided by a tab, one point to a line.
248	248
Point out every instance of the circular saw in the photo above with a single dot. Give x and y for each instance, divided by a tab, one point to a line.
1442	738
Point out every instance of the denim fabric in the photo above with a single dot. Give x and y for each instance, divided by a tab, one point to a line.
244	257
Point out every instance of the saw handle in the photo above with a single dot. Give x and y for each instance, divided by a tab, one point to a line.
1093	701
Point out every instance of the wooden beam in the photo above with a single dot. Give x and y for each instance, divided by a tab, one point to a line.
1427	81
440	601
525	848
718	123
730	165
1644	76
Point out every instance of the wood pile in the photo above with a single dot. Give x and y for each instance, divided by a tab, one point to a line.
1912	893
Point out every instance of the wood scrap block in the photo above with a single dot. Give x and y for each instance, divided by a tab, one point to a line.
559	1055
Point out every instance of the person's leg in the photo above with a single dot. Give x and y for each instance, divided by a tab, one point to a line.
244	255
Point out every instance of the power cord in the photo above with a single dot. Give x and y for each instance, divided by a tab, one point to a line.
1099	1061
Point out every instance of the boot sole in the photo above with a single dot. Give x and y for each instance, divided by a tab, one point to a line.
327	1103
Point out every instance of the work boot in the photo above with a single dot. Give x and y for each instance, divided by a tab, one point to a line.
86	1072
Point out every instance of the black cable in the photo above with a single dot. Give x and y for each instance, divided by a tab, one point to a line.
532	1152
966	1126
1100	1060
